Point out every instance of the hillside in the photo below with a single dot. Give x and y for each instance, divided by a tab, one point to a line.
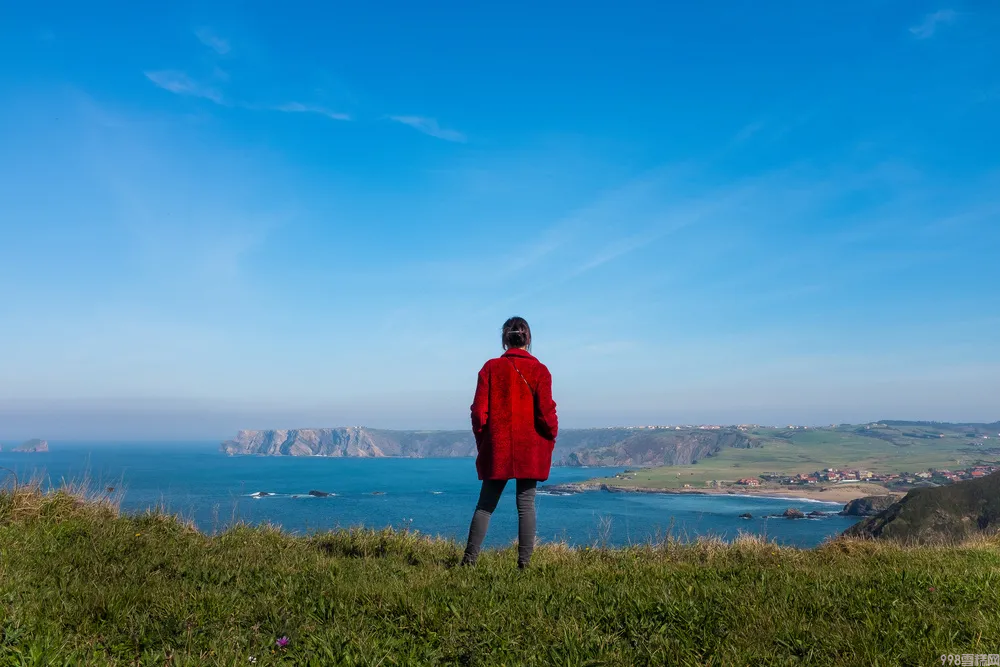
610	447
83	585
882	447
650	447
946	513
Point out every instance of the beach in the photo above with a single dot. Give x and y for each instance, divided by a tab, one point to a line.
840	493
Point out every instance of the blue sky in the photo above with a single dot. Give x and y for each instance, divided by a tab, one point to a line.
216	216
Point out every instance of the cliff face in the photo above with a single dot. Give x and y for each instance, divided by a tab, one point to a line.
351	441
939	514
32	446
593	447
869	505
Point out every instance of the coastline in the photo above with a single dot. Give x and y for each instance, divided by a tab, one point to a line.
837	494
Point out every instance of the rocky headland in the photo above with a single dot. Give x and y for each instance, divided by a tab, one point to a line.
951	513
351	441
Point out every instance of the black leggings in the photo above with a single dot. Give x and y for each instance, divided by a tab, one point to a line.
489	496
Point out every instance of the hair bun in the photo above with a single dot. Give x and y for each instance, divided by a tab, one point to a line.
516	333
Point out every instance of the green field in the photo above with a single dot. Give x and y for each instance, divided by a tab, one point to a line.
899	448
82	585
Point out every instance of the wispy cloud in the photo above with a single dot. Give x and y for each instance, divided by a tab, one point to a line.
180	83
296	107
509	263
929	25
666	220
430	126
644	205
613	251
748	131
738	223
212	41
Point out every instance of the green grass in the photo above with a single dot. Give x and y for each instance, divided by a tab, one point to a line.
803	451
81	584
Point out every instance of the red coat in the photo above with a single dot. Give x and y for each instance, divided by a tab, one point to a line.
514	418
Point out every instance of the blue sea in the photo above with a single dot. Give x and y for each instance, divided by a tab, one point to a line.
433	496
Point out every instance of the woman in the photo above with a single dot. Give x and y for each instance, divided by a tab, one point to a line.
514	421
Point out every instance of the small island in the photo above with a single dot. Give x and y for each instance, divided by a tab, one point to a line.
33	446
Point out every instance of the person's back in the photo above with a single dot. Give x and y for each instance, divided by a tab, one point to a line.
515	425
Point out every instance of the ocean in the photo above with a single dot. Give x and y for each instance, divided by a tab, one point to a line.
433	496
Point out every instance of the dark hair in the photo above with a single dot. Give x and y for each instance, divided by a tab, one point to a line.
516	333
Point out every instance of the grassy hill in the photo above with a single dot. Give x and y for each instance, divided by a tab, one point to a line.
884	447
946	513
81	584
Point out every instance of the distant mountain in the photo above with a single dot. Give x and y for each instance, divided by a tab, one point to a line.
594	447
944	513
652	447
32	446
977	427
903	432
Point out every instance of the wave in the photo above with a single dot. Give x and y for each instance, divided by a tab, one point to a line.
437	493
257	495
793	499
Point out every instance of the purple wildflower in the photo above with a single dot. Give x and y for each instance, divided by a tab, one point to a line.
282	642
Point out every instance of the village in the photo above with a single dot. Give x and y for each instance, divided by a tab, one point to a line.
837	476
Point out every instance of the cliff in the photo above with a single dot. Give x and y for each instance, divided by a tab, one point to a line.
594	447
938	514
353	441
32	446
869	505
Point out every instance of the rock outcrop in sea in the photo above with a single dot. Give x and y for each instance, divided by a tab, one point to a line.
33	446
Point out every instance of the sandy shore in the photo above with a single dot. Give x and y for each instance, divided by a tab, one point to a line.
841	493
835	494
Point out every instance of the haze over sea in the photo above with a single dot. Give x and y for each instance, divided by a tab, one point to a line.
434	496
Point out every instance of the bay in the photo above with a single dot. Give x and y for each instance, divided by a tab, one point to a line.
433	496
